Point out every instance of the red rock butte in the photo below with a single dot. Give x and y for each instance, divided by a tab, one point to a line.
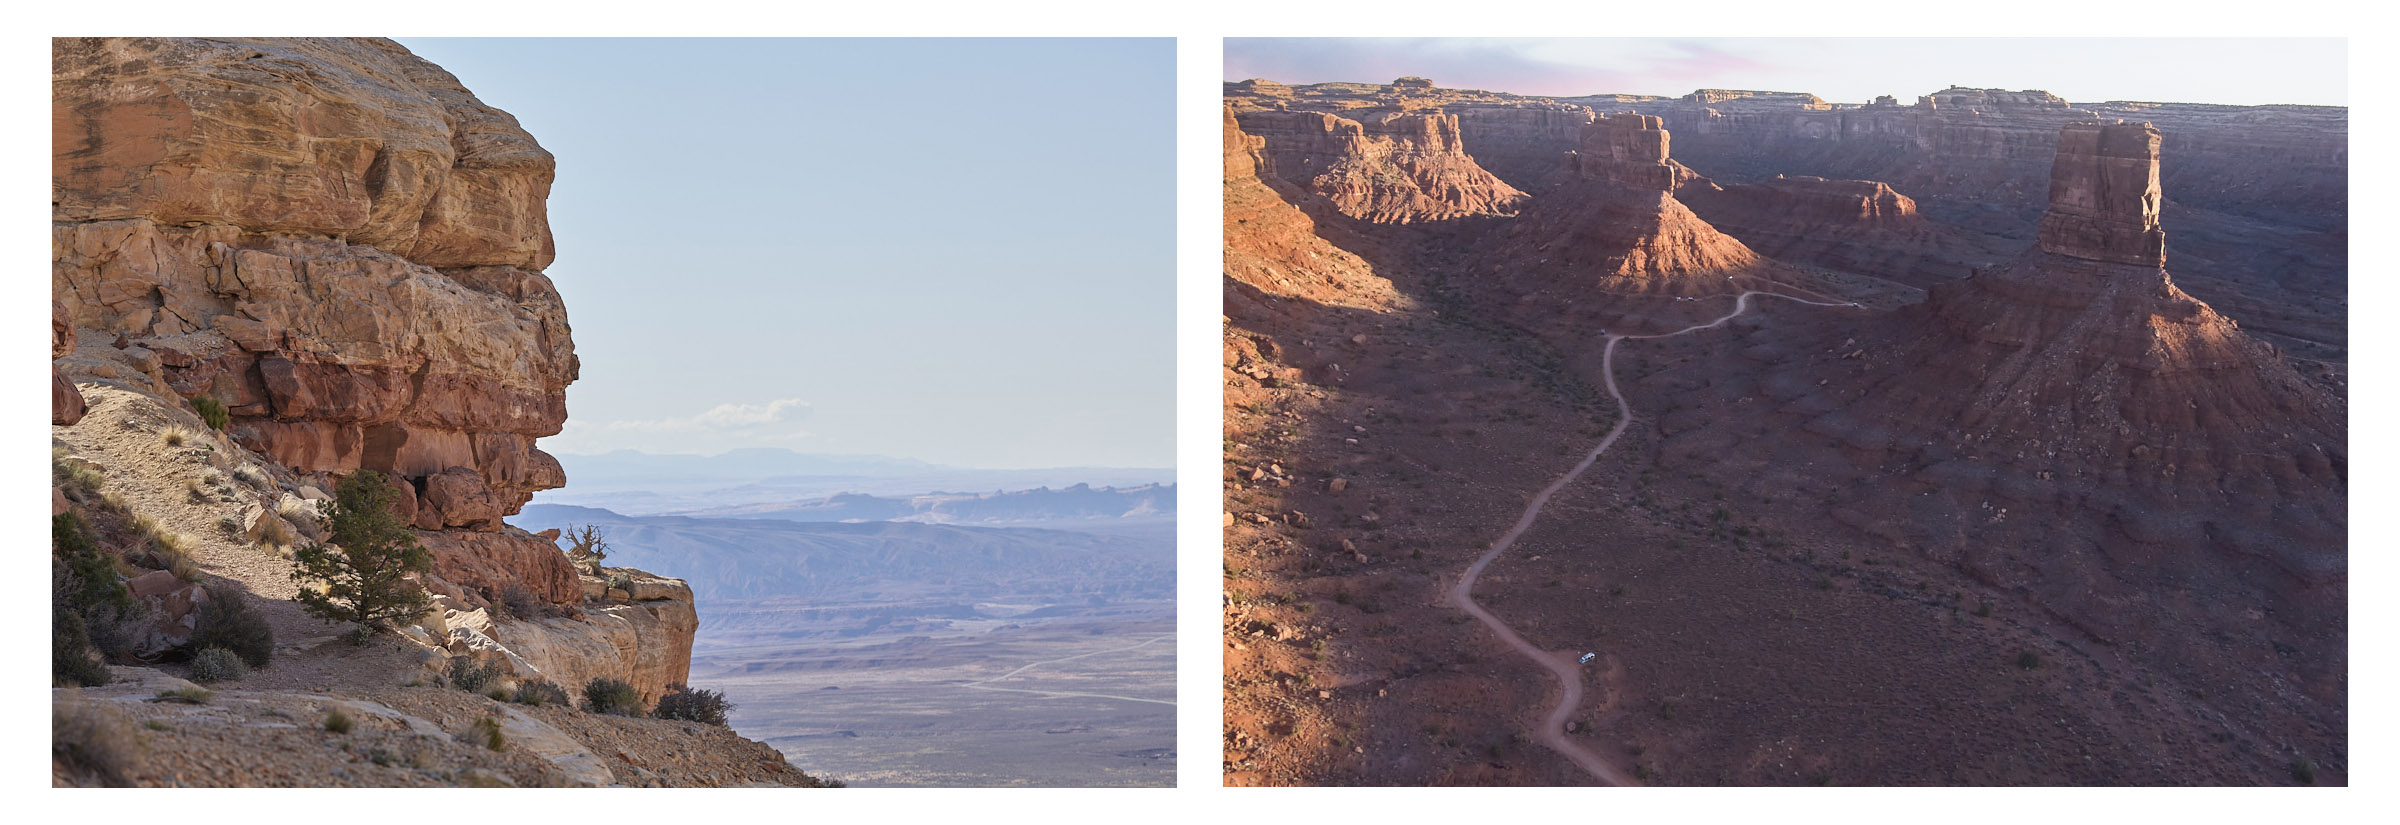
2104	195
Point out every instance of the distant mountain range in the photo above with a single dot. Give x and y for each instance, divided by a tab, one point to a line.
639	483
1036	507
883	563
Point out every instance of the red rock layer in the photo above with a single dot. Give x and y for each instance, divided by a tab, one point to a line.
1391	168
335	239
1521	143
1272	245
66	402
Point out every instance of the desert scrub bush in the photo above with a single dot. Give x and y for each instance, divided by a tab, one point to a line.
228	622
273	532
621	581
212	412
72	659
74	476
365	582
472	676
94	743
230	524
539	692
176	435
605	695
250	474
692	705
2304	770
184	696
216	664
521	603
486	732
337	721
2028	660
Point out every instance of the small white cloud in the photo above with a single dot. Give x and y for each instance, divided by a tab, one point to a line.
720	418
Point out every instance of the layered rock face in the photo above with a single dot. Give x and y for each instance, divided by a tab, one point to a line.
1521	143
1391	168
2104	195
1272	245
336	240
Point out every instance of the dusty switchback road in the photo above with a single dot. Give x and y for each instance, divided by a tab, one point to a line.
1562	664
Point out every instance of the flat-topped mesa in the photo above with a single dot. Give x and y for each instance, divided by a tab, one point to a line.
1963	97
1859	200
1392	168
2104	195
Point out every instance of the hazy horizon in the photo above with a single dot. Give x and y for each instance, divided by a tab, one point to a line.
855	246
2232	71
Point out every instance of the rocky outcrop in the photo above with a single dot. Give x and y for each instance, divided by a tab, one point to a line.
341	244
66	402
337	241
1391	168
2104	195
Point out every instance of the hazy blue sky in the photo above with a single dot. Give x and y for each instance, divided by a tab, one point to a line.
959	251
1843	70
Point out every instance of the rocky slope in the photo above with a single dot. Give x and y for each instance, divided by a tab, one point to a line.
340	245
1851	225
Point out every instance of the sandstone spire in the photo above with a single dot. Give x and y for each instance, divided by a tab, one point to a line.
2104	195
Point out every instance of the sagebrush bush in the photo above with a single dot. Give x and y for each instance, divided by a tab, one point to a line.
212	412
228	622
486	732
474	677
538	692
337	721
216	664
605	695
692	705
74	476
95	743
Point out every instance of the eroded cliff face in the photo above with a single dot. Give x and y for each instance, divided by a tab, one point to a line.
340	243
1389	168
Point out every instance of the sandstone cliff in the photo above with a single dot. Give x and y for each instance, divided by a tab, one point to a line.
339	243
1272	245
1390	168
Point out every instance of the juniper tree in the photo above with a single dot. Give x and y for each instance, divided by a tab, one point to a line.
364	571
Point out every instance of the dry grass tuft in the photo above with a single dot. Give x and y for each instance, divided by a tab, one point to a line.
177	435
96	744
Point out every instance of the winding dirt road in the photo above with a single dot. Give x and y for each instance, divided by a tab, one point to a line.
1562	664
